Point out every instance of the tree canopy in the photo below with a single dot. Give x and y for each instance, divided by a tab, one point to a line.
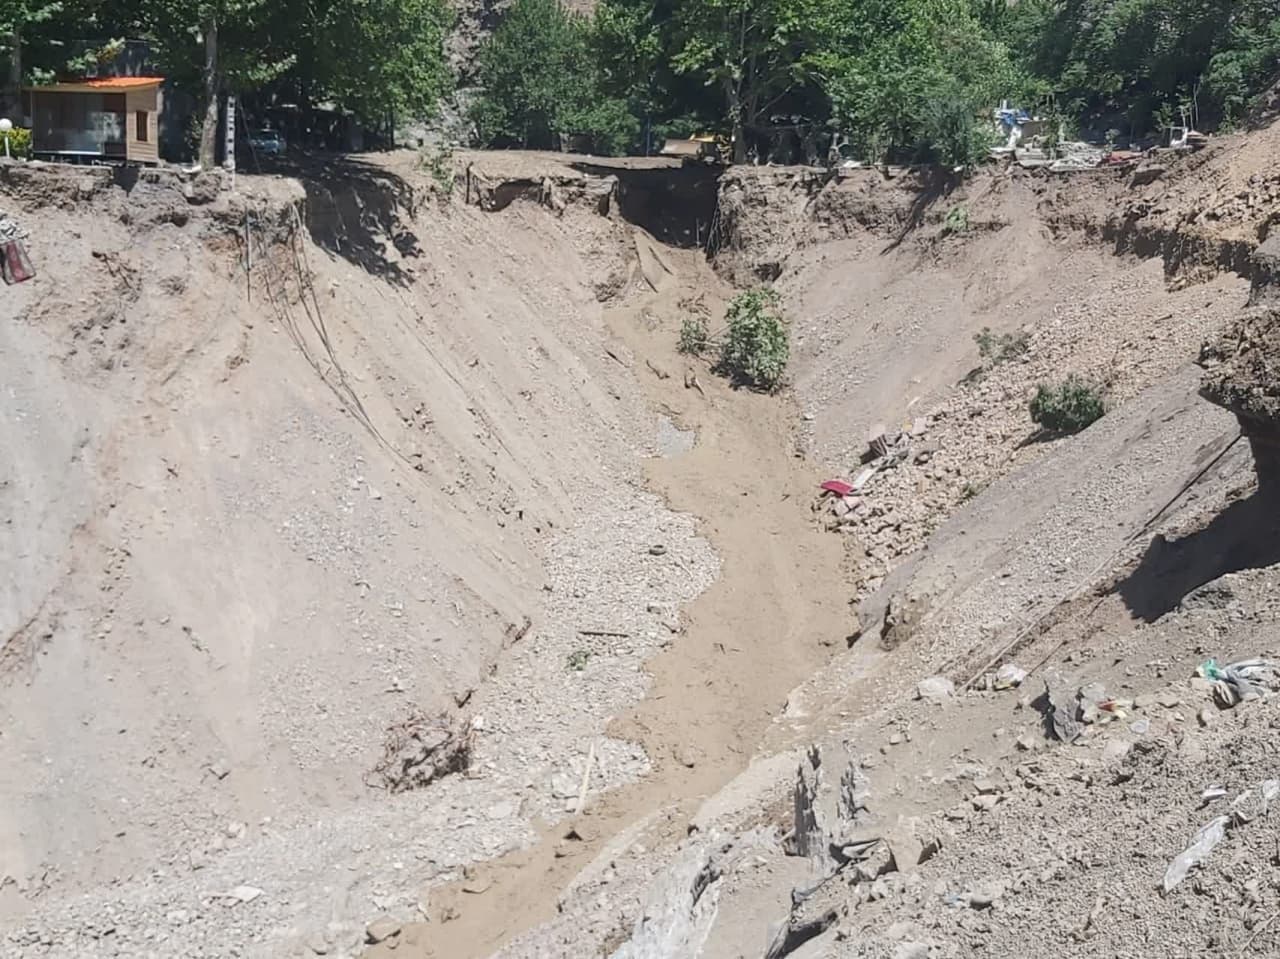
540	79
374	58
901	79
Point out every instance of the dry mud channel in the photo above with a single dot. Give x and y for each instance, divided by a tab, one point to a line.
777	613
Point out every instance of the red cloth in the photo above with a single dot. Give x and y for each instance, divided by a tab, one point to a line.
15	263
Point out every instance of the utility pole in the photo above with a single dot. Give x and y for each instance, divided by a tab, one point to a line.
229	147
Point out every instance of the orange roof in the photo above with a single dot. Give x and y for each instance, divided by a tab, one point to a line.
103	83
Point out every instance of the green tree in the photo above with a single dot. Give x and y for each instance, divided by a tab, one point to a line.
17	19
1143	57
230	39
540	79
374	58
755	51
912	78
634	45
380	57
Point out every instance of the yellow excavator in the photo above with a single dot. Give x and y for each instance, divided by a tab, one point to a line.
701	148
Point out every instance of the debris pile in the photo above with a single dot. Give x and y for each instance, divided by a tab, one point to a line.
1238	682
421	749
886	450
854	861
1070	712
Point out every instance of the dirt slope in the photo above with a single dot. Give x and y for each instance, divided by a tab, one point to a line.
262	528
267	517
1122	557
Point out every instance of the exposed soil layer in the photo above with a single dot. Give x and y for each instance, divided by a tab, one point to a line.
356	463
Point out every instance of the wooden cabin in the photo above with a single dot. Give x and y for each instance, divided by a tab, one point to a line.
112	118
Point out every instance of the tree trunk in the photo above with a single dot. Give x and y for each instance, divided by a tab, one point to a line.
209	129
734	97
14	86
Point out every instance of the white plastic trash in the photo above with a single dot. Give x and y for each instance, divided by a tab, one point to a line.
1202	843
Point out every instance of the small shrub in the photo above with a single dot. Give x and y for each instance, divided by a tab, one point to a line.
19	143
957	220
439	163
1000	348
578	660
756	346
695	335
952	133
1068	407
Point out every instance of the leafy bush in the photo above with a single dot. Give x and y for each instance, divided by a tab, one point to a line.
606	121
996	349
439	163
952	133
957	220
756	346
19	142
1068	407
695	336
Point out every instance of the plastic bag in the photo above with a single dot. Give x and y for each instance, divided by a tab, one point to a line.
1202	843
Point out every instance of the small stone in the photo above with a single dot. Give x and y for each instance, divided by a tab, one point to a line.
502	810
930	849
317	944
382	929
935	689
985	896
1145	701
1168	700
563	786
984	803
1205	716
958	813
906	848
219	770
245	894
342	935
895	739
1009	676
987	787
1025	743
657	550
1115	749
686	756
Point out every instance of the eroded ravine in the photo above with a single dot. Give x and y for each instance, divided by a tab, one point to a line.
777	612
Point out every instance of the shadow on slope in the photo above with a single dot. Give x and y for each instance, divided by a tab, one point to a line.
1246	535
354	209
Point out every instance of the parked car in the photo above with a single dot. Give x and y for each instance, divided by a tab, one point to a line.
270	143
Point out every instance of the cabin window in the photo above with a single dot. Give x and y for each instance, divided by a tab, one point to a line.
140	124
